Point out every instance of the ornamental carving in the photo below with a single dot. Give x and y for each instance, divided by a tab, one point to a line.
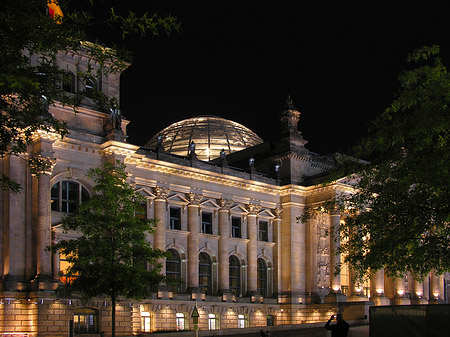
225	203
161	192
194	198
253	209
323	250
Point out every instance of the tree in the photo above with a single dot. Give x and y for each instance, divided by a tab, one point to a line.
399	214
111	256
30	80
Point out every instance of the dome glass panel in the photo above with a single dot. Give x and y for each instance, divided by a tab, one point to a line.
210	134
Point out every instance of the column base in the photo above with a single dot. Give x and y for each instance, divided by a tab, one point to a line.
335	298
401	301
381	300
357	298
44	283
419	300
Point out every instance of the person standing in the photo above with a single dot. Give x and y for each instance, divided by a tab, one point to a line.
340	329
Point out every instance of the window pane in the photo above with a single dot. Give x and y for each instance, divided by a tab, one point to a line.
175	218
263	231
55	197
207	223
235	275
262	278
204	273
236	227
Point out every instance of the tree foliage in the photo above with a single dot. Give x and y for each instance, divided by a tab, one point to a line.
29	77
111	255
399	216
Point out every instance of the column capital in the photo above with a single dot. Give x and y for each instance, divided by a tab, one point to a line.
161	192
253	209
41	165
225	204
278	213
194	198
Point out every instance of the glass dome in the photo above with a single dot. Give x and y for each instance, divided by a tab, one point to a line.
210	134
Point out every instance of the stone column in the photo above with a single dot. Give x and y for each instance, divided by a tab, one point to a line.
435	293
418	295
193	226
224	232
160	208
335	259
252	248
15	242
377	288
400	297
277	250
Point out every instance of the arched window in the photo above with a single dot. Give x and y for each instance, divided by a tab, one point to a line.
235	275
91	87
204	273
85	320
262	278
67	195
69	83
173	271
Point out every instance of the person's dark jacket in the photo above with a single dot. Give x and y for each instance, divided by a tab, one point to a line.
340	329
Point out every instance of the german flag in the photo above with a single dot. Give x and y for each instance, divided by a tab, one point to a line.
54	11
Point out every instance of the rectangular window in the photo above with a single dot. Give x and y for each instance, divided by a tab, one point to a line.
242	321
141	210
213	322
270	320
207	223
181	321
263	231
175	218
236	227
65	277
145	322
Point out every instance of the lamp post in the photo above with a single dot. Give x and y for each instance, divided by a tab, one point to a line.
195	315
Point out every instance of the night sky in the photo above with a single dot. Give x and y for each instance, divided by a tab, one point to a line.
338	63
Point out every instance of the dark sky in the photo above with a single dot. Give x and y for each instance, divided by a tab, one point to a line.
240	61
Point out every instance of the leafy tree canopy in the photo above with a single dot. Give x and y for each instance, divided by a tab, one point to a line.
29	77
111	255
399	216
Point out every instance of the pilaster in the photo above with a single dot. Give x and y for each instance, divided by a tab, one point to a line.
224	232
193	226
252	232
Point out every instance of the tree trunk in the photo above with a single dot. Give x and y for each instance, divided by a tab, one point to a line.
113	315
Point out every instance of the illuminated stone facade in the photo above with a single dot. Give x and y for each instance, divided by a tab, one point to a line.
231	226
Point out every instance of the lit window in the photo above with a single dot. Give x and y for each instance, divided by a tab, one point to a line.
206	223
175	218
204	273
235	275
67	195
181	321
146	325
64	265
262	278
263	231
236	227
173	271
85	320
213	322
242	321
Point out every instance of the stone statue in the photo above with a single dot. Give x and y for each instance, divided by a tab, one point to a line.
116	118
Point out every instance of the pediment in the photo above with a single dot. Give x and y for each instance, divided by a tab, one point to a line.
178	198
146	192
239	209
266	214
209	203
